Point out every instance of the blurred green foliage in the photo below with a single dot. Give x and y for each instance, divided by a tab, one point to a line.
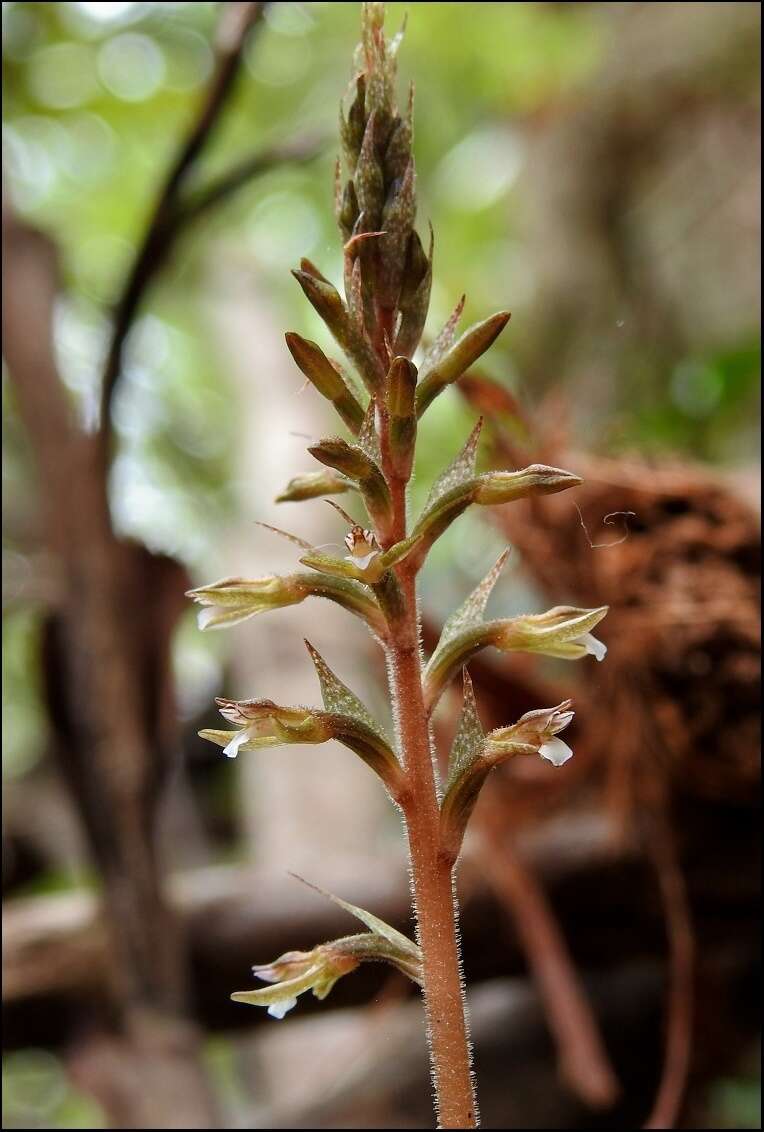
37	1093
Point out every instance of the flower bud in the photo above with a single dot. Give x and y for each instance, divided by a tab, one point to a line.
352	128
312	485
368	178
347	213
326	300
537	479
397	224
398	152
327	380
414	298
401	391
473	343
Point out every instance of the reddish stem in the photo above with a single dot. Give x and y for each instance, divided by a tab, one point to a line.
431	871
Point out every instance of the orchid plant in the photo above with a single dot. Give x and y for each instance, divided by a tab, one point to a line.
379	326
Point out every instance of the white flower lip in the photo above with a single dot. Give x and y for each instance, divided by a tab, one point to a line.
238	740
282	1007
594	647
204	616
555	751
362	563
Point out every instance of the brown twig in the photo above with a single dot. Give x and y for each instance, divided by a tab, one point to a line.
583	1060
297	152
238	19
679	1012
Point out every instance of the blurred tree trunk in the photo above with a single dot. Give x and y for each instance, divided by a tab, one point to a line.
108	687
303	805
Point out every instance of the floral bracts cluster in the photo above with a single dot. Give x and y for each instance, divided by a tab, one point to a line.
378	325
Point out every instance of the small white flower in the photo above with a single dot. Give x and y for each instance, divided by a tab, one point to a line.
362	545
555	751
594	647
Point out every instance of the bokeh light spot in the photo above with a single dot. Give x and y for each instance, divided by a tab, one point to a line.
131	66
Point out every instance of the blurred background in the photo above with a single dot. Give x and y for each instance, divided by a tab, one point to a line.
595	169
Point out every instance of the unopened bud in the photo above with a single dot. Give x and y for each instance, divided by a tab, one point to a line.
472	344
322	374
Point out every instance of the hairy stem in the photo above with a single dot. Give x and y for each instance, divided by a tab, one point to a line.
431	871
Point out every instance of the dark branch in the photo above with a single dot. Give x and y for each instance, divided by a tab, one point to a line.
237	21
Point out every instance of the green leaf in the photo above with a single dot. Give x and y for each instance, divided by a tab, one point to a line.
373	922
444	340
460	471
467	773
467	746
368	440
471	612
339	699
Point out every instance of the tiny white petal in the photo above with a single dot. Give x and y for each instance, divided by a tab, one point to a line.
593	646
232	749
555	751
280	1008
562	719
204	616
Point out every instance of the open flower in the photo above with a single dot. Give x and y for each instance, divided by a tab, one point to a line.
362	545
474	755
297	972
262	723
266	724
534	733
232	600
318	970
563	632
560	632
